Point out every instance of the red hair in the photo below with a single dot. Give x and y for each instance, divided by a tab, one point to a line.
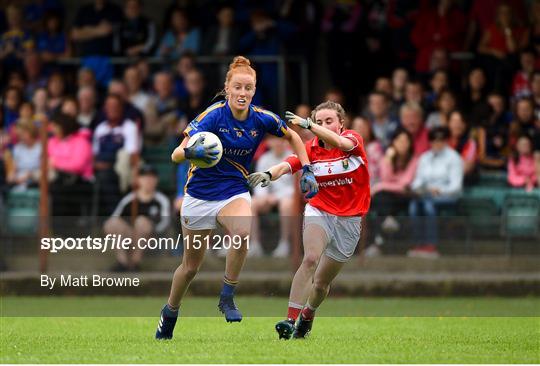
240	64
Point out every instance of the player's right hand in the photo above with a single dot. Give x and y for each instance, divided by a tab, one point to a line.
201	152
263	178
308	183
298	121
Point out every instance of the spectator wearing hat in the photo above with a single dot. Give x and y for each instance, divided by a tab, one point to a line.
140	214
437	183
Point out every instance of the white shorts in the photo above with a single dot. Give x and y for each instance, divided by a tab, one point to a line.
201	214
342	232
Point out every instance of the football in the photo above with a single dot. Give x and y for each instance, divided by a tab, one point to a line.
209	139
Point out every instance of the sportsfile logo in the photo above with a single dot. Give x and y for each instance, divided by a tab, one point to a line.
120	242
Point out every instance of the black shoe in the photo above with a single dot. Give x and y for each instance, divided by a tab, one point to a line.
167	321
302	327
285	328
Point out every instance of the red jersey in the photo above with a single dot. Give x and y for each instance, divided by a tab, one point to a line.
342	176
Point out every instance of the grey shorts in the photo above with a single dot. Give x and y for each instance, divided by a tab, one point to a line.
342	232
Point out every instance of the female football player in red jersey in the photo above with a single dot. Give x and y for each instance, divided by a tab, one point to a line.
219	195
332	218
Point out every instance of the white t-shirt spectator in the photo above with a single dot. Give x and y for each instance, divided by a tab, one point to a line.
442	170
27	158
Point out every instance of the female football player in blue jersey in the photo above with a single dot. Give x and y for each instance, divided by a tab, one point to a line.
220	194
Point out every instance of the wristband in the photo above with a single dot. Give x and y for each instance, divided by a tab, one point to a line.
269	174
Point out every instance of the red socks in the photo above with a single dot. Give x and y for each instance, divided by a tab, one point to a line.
308	313
293	312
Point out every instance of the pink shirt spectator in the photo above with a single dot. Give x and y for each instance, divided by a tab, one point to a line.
72	154
421	142
393	181
375	154
520	172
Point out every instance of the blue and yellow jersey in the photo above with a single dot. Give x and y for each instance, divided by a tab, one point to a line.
240	139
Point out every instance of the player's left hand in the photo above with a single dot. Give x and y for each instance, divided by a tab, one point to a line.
263	178
298	121
308	183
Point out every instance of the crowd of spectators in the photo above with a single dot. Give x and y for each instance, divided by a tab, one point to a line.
440	91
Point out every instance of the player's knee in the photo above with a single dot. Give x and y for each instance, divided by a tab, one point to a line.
190	271
241	232
310	261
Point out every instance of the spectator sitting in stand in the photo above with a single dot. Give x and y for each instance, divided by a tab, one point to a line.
524	121
140	214
93	28
414	92
391	195
411	115
118	87
521	166
52	43
179	37
16	41
444	104
222	38
280	193
382	123
136	34
12	101
26	157
163	113
384	85
185	64
521	83
88	114
136	95
114	134
373	147
197	99
439	82
86	78
473	99
461	141
70	166
56	87
492	135
437	184
400	76
35	77
503	38
39	101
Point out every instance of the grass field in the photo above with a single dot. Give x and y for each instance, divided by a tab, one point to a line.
374	339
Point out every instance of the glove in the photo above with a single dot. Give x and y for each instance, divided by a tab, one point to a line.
260	177
201	152
298	121
308	183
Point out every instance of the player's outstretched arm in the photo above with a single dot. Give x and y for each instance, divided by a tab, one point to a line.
264	178
324	134
297	146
